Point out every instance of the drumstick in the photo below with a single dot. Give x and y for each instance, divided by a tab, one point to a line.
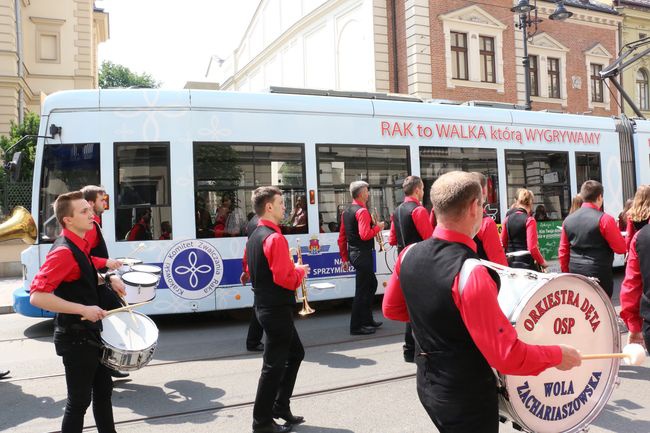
138	249
633	354
128	307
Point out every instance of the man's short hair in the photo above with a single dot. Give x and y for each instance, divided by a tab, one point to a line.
453	192
91	192
262	196
63	205
356	187
591	190
410	184
480	177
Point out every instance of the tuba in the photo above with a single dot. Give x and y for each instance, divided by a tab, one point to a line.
306	309
19	225
378	236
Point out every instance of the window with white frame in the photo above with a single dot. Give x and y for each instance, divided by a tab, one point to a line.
553	77
549	69
596	59
642	88
473	49
596	83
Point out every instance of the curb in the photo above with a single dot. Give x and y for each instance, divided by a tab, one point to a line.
6	309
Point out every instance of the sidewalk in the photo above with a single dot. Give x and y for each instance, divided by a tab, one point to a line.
7	287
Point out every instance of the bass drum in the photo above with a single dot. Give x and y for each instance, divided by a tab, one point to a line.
559	309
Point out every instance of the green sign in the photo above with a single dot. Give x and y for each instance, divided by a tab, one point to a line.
548	233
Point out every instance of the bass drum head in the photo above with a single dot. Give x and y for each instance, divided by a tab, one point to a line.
567	309
129	331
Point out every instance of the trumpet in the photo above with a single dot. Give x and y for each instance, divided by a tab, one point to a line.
378	236
306	309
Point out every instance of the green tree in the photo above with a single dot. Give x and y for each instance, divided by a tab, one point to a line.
29	126
112	75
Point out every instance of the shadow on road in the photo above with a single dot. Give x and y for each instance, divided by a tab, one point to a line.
14	401
621	416
42	329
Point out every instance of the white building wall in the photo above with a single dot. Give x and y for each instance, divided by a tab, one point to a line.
305	43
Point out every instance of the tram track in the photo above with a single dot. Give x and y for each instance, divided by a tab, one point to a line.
244	354
249	403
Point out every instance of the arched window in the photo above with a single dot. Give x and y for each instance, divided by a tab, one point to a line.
642	88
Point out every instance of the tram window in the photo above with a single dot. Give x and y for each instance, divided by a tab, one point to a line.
588	167
225	176
143	202
546	175
384	168
436	161
66	168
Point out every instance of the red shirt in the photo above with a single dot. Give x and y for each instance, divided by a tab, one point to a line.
421	221
432	218
632	290
366	231
489	236
93	240
60	265
608	229
531	239
489	328
276	250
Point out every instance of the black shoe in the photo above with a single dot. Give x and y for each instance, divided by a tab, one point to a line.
255	348
119	374
364	330
374	324
289	417
273	428
4	373
409	356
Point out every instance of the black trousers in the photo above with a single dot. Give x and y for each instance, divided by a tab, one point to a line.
409	341
255	332
87	380
365	288
457	409
604	275
645	330
283	353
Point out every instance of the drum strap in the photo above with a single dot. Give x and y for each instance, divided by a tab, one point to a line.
465	272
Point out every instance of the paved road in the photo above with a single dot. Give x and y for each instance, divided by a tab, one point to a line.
203	380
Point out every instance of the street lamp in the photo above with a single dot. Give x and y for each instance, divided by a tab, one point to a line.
528	18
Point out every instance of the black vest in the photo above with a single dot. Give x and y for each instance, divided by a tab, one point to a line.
267	293
638	225
589	249
517	239
252	225
82	291
427	276
352	229
100	250
643	252
405	229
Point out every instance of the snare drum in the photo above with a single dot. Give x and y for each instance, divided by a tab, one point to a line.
559	309
148	269
129	340
139	286
127	262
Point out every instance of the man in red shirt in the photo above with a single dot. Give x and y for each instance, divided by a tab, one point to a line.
67	285
356	243
487	239
590	238
275	279
410	224
460	330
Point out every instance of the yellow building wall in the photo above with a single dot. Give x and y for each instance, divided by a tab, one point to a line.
636	23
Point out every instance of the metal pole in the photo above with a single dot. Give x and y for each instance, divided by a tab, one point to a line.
524	31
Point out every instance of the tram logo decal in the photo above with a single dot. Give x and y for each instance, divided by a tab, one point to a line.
193	269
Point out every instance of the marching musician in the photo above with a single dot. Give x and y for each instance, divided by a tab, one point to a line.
635	288
519	233
459	327
590	238
487	239
356	243
96	198
275	278
67	284
410	224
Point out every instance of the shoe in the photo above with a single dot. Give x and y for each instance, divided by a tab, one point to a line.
364	330
4	373
119	374
255	348
409	356
374	324
289	417
273	428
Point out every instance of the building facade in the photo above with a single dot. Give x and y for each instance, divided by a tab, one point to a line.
46	46
454	50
